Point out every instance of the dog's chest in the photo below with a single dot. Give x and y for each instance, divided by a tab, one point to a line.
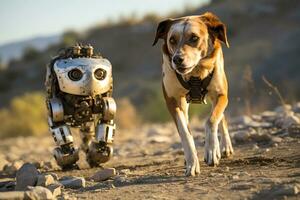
172	86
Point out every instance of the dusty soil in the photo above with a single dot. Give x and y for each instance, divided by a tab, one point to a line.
151	166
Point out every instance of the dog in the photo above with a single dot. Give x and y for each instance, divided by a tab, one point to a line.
192	51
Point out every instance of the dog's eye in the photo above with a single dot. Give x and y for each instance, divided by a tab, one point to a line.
172	40
194	38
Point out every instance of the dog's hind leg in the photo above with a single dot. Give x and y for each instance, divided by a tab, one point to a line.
226	146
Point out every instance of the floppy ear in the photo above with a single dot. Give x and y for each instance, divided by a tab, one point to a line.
162	30
215	27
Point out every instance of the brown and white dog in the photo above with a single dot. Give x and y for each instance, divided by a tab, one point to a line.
192	47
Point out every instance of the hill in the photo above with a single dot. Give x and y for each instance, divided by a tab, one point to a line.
263	35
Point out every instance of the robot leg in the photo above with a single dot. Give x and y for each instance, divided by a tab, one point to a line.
101	150
65	154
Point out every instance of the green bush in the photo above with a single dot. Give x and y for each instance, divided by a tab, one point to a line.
25	116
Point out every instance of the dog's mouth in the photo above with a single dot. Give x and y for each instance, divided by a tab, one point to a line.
184	70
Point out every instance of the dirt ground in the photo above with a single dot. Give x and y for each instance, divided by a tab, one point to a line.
150	165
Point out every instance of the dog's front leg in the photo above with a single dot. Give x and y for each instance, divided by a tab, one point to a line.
190	153
212	152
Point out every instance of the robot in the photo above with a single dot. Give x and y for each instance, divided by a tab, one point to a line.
79	88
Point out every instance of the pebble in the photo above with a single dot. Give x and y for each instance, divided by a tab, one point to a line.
72	182
27	175
38	192
45	180
104	174
55	188
16	195
12	168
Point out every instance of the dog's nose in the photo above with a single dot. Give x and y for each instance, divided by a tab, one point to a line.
177	60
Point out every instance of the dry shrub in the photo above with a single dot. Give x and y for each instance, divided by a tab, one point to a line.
127	117
25	116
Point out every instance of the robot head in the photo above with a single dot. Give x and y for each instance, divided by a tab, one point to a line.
79	72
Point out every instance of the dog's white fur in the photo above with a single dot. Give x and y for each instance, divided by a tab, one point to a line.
175	93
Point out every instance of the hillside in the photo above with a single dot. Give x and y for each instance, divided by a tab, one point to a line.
263	35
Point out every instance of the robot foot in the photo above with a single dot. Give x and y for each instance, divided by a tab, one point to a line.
66	157
99	153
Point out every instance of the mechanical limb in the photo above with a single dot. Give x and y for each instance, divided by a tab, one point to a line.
101	150
87	132
65	154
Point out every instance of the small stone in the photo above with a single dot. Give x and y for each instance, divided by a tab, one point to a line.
38	192
104	174
242	186
124	171
267	150
15	195
119	180
261	137
283	108
12	168
3	163
235	177
227	169
276	139
45	180
72	182
27	175
255	147
55	188
285	190
241	136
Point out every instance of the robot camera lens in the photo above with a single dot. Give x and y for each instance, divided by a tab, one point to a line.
100	74
75	74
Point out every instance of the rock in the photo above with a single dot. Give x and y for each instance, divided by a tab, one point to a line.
279	191
120	180
38	193
276	140
6	186
27	175
269	116
294	130
104	174
247	121
287	119
235	177
124	171
281	109
296	107
260	137
72	182
241	120
14	195
243	136
45	180
3	162
12	168
55	188
242	186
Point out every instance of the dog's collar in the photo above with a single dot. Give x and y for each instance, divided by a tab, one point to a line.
197	87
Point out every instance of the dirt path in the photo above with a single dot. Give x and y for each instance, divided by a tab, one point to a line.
153	168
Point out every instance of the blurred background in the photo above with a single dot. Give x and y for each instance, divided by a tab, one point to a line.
263	36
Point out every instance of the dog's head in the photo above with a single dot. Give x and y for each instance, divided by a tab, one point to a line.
188	39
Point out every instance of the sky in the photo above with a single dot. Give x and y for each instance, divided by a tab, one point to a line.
24	19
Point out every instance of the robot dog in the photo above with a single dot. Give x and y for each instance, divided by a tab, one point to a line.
79	87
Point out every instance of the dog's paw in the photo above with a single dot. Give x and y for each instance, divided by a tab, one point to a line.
192	167
212	154
226	148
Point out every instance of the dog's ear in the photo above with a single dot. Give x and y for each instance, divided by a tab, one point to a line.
215	27
162	30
